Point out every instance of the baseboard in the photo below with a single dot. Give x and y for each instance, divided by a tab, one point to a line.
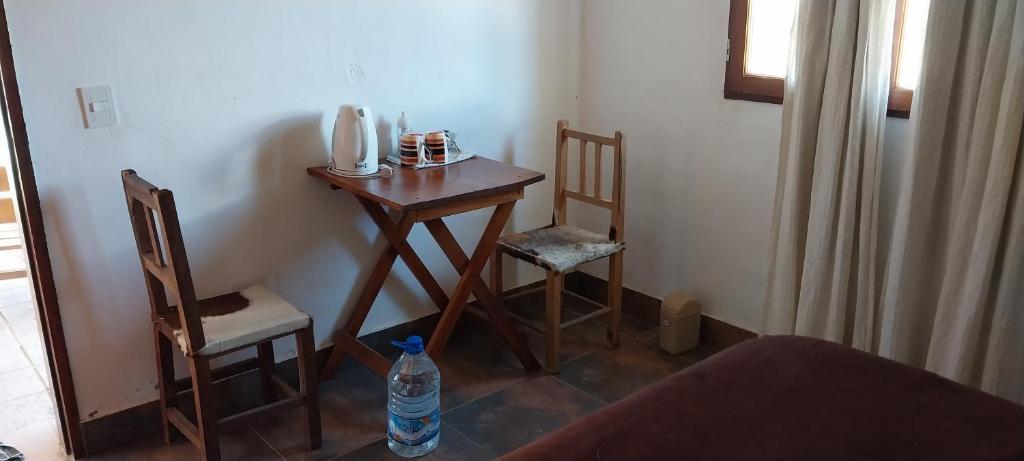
713	332
238	387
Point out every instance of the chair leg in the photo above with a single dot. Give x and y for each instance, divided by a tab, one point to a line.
553	329
614	300
496	275
165	380
308	386
265	355
206	410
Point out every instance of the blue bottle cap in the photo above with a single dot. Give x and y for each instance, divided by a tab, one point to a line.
411	345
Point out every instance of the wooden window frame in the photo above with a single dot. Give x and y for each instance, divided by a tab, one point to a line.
747	87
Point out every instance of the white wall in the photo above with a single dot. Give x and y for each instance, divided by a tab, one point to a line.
701	169
223	103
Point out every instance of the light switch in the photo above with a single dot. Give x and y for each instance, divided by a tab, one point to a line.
97	106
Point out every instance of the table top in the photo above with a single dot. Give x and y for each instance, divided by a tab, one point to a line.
412	189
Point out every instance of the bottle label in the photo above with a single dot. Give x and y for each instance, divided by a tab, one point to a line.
416	431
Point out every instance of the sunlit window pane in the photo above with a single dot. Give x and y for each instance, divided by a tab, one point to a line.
915	18
768	32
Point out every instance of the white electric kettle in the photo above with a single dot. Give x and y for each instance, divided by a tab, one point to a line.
354	144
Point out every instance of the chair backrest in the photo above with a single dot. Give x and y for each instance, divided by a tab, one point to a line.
562	192
162	254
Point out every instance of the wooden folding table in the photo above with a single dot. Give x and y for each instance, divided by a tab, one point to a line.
428	195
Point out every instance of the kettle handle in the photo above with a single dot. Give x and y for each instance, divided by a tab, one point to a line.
363	134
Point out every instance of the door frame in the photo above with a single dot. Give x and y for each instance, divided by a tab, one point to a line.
39	266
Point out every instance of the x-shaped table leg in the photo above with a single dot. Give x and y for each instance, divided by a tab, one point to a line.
501	321
451	308
396	234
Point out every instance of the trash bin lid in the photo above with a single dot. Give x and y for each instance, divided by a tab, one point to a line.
680	304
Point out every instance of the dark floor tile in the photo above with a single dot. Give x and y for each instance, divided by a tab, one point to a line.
631	324
697	354
515	416
593	332
476	362
231	396
650	336
702	352
572	344
353	409
236	443
612	374
576	341
453	447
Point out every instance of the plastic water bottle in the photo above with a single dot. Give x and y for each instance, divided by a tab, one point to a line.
414	401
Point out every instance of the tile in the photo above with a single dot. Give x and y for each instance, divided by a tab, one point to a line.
242	393
631	324
237	442
581	338
353	409
26	411
576	341
453	447
37	357
10	283
26	328
701	352
23	328
11	355
610	375
515	416
535	310
650	337
12	260
38	442
476	362
15	312
19	383
11	294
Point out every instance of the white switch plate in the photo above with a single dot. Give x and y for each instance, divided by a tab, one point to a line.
97	106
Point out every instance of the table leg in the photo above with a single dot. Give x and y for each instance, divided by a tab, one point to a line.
487	298
470	275
367	296
405	251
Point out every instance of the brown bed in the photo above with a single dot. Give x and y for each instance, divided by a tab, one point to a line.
794	398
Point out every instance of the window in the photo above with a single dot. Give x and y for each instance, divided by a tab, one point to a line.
759	36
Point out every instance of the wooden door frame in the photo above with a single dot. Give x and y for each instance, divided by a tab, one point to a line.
40	269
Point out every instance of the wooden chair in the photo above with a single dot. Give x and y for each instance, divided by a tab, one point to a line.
560	247
208	328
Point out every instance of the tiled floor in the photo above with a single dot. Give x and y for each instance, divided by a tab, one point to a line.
26	409
490	405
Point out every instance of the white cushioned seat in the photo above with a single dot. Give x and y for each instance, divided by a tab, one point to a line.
266	316
559	248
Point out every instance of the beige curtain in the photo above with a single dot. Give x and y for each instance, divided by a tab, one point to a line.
822	271
953	298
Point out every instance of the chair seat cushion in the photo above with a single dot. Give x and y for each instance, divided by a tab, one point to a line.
559	248
266	315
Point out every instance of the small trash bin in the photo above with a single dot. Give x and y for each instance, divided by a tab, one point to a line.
680	323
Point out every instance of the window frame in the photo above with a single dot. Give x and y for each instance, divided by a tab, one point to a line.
748	87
